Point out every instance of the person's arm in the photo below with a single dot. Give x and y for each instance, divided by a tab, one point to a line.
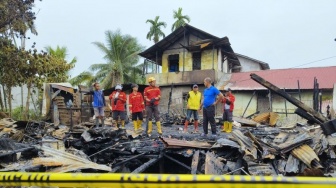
145	95
188	96
111	96
142	102
123	98
159	95
103	96
201	106
219	98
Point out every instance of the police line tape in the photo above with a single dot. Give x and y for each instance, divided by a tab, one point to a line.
153	180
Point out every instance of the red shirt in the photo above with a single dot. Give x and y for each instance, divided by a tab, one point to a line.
232	100
151	93
136	102
120	105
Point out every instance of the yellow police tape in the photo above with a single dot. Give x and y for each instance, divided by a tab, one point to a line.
158	180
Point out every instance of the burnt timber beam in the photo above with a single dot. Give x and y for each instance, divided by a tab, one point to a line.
127	160
289	98
180	163
194	163
145	165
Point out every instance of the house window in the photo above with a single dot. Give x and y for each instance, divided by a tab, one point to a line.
173	61
196	57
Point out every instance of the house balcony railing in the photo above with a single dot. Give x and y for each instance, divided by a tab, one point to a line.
186	77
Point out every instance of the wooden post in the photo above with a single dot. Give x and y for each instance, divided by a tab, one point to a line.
194	163
290	99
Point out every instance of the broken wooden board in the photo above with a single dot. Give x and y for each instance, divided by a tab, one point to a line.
175	143
213	164
244	121
194	162
246	144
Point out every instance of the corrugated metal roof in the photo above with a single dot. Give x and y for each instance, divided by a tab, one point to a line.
284	78
307	155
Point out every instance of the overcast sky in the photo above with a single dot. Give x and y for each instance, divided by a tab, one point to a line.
282	33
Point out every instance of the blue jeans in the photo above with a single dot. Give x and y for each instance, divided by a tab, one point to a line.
192	112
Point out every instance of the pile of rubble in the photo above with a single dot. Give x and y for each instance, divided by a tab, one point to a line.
249	150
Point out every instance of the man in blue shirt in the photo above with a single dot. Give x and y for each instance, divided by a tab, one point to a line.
98	103
209	102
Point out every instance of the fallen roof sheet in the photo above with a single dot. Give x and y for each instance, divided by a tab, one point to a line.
307	155
175	143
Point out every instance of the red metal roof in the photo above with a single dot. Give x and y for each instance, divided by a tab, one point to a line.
285	78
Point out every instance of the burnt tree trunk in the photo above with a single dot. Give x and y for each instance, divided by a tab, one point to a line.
1	102
5	97
9	97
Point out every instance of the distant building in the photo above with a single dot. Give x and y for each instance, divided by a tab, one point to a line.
187	56
291	80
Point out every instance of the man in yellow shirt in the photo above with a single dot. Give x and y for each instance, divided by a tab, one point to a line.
193	105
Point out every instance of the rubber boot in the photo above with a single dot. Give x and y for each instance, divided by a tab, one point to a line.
159	129
123	124
135	125
185	129
225	126
196	125
150	127
139	124
229	127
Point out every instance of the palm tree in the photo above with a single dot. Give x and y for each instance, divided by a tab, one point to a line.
180	19
155	31
121	55
61	53
85	78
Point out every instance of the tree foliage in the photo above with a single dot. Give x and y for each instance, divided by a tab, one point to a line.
180	19
121	55
155	31
17	16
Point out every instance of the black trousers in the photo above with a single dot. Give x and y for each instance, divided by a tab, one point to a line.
209	117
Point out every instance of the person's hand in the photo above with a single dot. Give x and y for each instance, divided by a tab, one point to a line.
188	107
214	104
130	111
157	98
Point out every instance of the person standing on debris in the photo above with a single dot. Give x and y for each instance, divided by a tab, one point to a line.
118	100
152	96
209	102
228	102
136	106
193	105
98	103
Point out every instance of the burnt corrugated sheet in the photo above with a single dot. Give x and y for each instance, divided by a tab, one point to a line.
261	169
291	144
175	143
307	155
292	165
246	144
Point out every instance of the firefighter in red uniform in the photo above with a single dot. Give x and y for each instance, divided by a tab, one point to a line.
228	101
118	101
136	106
152	96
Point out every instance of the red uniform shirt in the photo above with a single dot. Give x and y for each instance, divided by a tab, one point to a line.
120	105
151	93
136	102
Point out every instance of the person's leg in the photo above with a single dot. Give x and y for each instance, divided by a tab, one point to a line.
186	123
212	120
135	122
102	115
122	118
157	119
96	113
229	121
140	119
115	115
195	120
225	118
205	121
149	111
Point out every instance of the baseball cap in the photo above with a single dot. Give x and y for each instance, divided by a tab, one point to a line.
195	85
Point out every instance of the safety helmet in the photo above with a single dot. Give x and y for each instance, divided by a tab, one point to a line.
134	85
118	87
150	79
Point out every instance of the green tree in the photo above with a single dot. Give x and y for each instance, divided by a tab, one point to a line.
180	20
85	78
155	31
121	55
61	53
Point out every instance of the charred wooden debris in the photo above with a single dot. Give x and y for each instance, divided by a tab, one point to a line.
256	147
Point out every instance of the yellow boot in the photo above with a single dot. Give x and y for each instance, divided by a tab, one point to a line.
135	125
140	124
225	126
229	127
150	127
123	124
159	129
